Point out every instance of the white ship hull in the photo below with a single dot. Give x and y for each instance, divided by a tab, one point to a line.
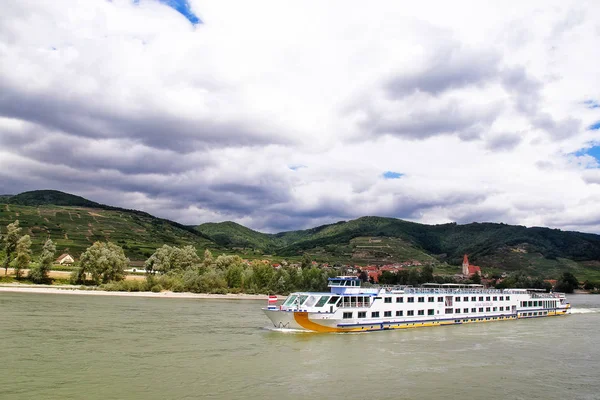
357	310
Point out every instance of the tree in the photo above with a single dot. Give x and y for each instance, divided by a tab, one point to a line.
104	261
567	283
208	259
39	274
10	242
234	276
170	258
306	261
23	255
186	257
363	276
427	274
413	277
160	261
476	278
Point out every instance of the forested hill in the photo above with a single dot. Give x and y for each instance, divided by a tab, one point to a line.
380	239
74	223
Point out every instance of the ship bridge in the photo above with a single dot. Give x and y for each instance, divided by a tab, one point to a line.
348	285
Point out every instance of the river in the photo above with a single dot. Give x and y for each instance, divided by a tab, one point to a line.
94	347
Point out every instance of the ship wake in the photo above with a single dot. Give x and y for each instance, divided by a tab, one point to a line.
585	310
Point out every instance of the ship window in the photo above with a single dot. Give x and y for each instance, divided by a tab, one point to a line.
322	301
333	300
501	298
301	299
387	314
290	300
347	315
495	309
421	312
410	313
411	300
457	311
501	308
465	310
421	299
375	314
387	299
399	299
431	311
440	299
466	298
311	301
473	310
480	298
487	298
362	314
480	309
457	299
399	313
495	298
473	298
530	304
487	309
363	301
431	299
353	301
507	298
449	310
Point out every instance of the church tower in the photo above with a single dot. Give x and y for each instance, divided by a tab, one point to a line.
465	266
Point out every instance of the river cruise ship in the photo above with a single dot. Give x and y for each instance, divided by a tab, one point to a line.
352	308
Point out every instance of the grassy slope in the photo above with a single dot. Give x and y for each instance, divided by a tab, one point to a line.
74	228
539	251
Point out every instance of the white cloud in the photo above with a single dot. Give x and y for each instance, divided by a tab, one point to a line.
479	105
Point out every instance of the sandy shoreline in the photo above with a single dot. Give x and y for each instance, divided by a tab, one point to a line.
64	289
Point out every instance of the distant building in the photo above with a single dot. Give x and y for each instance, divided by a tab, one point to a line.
65	259
468	270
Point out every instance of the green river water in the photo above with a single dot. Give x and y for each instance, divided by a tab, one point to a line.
94	347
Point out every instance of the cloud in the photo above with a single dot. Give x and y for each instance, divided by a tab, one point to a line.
503	142
284	116
451	67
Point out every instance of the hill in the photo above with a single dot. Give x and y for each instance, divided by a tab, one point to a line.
501	247
74	223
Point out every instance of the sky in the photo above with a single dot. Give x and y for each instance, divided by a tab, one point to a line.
288	115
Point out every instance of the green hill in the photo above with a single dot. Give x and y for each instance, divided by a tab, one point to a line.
539	251
75	223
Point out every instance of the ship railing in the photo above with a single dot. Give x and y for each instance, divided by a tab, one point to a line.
451	291
546	295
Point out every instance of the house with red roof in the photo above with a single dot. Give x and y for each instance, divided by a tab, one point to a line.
468	269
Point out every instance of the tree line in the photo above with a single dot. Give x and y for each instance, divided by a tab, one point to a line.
18	255
180	269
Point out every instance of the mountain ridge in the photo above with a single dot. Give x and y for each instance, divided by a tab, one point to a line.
75	222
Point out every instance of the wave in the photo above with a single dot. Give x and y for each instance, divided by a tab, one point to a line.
584	310
284	330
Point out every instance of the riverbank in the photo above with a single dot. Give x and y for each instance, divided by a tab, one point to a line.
69	289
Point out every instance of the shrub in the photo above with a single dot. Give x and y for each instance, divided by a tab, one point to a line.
156	288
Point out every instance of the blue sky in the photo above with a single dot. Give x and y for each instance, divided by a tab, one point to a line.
392	175
182	6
